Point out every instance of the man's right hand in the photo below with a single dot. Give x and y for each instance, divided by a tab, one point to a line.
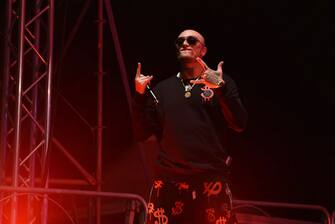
141	81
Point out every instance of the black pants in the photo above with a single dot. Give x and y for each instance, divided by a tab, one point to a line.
190	202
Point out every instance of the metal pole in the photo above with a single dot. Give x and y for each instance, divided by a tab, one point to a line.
122	67
124	76
5	96
128	196
33	129
47	135
99	107
90	179
286	205
72	35
18	109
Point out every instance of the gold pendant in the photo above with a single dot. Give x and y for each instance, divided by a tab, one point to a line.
187	94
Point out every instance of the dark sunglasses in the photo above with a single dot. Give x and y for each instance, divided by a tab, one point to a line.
191	40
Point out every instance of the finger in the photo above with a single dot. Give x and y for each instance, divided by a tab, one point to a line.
138	71
144	78
220	67
148	80
199	81
202	63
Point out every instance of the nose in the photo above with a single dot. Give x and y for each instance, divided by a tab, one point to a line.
185	43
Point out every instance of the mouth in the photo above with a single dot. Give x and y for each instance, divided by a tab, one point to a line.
185	50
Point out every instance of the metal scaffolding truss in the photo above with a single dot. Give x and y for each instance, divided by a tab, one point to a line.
26	110
26	114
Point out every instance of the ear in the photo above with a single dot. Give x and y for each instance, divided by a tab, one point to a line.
203	51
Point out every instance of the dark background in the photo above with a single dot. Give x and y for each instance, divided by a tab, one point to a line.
280	54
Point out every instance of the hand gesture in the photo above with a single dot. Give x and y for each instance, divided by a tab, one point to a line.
141	81
212	79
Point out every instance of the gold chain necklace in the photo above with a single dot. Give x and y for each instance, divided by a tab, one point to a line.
187	87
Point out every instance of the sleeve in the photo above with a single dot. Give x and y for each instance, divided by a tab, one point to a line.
231	105
144	120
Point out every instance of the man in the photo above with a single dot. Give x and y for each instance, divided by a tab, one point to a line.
189	114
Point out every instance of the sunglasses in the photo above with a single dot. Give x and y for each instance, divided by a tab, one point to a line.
191	40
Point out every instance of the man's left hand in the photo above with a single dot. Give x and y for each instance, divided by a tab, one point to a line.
212	79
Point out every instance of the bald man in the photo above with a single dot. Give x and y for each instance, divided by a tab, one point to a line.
189	114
